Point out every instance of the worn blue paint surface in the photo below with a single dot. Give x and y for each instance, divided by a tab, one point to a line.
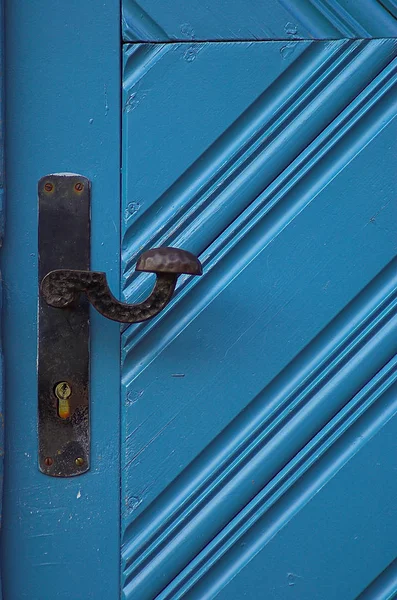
60	537
259	409
156	20
2	188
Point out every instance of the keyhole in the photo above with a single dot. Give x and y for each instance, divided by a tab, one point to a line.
63	391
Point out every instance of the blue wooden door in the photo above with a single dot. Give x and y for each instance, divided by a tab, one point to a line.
2	186
243	441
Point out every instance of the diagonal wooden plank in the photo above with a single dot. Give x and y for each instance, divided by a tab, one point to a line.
287	339
152	20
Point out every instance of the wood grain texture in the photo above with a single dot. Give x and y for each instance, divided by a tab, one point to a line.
267	380
156	21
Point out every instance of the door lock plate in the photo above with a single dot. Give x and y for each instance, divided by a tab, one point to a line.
63	335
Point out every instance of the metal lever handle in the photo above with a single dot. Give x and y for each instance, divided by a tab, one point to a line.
62	288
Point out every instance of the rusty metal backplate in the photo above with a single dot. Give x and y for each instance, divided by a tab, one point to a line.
63	334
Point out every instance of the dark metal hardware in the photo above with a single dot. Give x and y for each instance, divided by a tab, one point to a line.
62	288
63	335
63	342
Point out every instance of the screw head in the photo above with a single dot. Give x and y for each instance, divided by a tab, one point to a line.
48	186
79	186
48	461
79	461
63	391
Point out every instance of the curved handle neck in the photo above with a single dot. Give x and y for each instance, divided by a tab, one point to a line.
62	288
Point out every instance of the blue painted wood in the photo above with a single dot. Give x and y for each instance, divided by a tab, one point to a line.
156	20
384	586
259	408
2	110
2	188
60	537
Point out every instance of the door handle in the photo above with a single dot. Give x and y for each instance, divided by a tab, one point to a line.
61	288
66	287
